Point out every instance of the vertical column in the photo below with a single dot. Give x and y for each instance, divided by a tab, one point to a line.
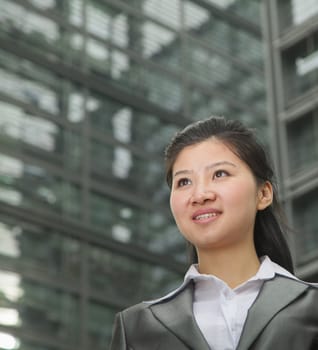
185	88
274	88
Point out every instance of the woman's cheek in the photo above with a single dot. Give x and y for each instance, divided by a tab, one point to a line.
177	204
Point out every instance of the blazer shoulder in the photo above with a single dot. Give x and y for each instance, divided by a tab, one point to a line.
312	285
298	281
300	287
142	309
134	309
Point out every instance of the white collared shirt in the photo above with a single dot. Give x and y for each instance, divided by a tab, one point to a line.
220	311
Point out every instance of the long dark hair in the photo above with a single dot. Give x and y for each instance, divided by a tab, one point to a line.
270	227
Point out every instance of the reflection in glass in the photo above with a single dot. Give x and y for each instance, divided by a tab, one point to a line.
40	248
30	185
38	92
34	25
152	229
10	287
9	240
300	65
165	11
38	308
109	274
17	124
9	317
119	165
303	9
9	342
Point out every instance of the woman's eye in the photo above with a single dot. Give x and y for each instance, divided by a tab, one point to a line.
183	182
220	173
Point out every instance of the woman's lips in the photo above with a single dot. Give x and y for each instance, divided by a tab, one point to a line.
205	214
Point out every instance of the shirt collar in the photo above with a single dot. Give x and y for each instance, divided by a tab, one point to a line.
267	270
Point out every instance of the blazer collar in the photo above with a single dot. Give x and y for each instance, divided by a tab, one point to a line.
177	315
274	296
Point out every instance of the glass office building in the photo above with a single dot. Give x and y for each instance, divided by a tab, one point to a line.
90	93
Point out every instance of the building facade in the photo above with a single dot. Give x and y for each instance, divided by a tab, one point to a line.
291	35
90	93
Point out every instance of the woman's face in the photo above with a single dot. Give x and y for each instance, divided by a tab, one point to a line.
214	196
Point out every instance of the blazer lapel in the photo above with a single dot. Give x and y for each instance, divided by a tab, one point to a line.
274	296
177	315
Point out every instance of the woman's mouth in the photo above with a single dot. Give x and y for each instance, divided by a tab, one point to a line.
204	216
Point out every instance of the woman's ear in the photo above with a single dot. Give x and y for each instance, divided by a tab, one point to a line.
265	195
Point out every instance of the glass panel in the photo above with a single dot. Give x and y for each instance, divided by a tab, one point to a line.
143	38
29	26
166	11
120	166
7	340
222	37
161	45
195	16
39	248
306	221
302	140
76	12
158	88
37	308
100	324
109	274
99	57
76	106
128	125
28	185
44	4
38	136
250	10
118	220
295	12
206	66
228	80
99	19
203	104
104	21
303	9
16	123
125	223
300	67
114	64
35	86
145	80
73	151
11	342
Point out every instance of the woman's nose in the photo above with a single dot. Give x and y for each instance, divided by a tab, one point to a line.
201	195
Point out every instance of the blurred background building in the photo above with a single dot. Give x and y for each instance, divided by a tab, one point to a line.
91	91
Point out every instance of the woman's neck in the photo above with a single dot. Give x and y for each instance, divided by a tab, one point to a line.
233	266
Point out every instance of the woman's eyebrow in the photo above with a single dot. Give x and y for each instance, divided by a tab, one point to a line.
210	166
216	164
182	172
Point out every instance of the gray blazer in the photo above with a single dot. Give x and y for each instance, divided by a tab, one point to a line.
284	316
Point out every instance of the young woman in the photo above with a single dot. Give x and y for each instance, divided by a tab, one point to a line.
240	292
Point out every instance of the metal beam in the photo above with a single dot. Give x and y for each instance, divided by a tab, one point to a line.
94	237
